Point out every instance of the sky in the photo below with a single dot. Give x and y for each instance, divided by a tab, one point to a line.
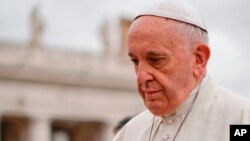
75	24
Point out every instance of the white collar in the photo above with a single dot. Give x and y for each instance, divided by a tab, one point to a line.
183	108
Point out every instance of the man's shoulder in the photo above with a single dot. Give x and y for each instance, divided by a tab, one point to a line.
232	106
141	119
232	98
224	96
135	128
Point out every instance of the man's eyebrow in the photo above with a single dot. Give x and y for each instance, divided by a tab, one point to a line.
153	53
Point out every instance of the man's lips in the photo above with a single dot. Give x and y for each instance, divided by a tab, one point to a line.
150	92
152	95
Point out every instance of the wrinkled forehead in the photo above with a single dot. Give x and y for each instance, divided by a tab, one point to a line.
152	25
153	33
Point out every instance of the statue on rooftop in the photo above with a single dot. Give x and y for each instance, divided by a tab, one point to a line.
37	28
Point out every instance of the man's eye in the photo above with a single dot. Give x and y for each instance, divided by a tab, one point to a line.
157	62
154	60
135	61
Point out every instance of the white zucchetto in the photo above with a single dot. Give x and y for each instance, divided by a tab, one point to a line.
174	9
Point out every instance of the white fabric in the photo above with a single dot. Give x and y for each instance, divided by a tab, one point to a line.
213	112
175	9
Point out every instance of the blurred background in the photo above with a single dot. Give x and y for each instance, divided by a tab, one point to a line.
65	75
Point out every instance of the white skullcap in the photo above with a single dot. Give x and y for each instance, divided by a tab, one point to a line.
175	9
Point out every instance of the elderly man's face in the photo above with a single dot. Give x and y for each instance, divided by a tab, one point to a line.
163	62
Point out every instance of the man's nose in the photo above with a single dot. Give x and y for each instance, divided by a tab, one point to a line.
143	76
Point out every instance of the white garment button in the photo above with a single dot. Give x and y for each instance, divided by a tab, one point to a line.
166	137
170	121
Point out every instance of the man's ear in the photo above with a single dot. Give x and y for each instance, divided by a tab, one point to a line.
202	54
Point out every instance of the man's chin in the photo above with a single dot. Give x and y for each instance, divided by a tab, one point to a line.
157	113
155	110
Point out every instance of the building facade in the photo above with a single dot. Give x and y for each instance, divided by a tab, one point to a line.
59	95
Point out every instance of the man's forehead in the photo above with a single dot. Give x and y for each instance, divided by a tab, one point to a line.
151	22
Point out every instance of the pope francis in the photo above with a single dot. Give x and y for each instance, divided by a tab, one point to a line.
168	45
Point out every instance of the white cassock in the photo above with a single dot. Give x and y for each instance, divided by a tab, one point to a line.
214	110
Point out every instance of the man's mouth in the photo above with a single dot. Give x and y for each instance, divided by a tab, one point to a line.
150	92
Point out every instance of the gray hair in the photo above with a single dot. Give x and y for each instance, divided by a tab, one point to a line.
192	33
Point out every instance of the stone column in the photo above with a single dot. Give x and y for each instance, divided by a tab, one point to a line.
39	130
